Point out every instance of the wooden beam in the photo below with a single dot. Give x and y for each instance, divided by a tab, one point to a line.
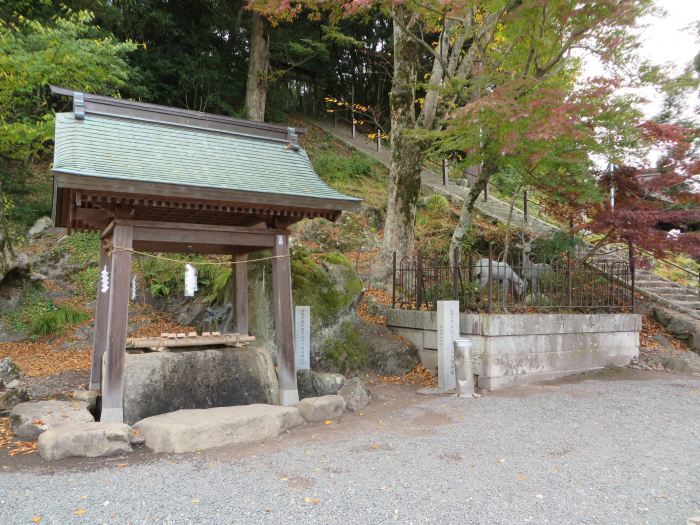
99	343
194	237
113	371
239	292
284	328
160	190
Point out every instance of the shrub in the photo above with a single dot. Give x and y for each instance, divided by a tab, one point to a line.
57	320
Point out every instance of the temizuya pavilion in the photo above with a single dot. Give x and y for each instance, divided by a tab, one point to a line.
160	179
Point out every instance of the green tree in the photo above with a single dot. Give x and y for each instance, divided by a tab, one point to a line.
67	51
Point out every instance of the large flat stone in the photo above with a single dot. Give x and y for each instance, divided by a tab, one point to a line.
85	440
193	430
29	420
162	382
322	408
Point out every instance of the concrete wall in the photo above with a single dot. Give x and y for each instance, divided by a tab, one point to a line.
512	350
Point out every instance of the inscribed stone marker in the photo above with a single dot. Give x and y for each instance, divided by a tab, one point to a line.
447	332
302	337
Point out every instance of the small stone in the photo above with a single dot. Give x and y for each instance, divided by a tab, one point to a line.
14	394
356	394
9	371
42	224
305	384
326	384
322	408
85	440
36	276
88	396
29	420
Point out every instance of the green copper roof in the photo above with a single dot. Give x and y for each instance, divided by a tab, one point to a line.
141	150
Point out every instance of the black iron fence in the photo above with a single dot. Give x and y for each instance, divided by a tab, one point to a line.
483	284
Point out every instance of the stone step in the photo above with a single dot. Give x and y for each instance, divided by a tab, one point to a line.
201	429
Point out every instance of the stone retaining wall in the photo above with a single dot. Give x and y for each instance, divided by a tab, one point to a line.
511	350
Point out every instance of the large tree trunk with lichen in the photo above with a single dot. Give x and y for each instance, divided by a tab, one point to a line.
467	212
406	151
256	89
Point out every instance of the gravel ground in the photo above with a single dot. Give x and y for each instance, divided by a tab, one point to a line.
613	450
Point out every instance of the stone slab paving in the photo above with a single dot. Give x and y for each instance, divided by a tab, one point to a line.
619	449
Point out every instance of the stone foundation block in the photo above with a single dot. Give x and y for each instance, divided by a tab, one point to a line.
193	430
322	408
85	440
29	420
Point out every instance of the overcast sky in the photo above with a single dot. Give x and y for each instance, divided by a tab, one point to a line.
665	39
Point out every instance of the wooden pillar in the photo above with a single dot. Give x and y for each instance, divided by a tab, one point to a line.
113	372
239	289
284	328
99	343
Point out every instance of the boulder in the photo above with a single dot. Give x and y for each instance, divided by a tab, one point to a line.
162	382
14	394
87	396
305	384
355	394
41	225
28	420
9	371
85	440
326	384
322	408
193	430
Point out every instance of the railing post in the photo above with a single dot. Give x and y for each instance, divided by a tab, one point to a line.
455	275
525	206
419	280
379	140
568	278
632	276
352	110
393	281
486	192
335	118
445	172
490	310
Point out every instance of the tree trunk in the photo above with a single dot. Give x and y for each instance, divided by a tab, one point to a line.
256	89
406	152
465	215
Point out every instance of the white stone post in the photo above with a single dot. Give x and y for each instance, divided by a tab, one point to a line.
302	337
447	332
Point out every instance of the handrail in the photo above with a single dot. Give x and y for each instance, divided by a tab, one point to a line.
691	273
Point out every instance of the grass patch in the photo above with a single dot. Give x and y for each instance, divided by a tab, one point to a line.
84	248
33	305
56	321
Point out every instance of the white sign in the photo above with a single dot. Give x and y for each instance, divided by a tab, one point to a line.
447	332
302	337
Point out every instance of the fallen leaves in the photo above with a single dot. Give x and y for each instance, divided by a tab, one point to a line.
419	376
41	358
22	448
36	519
314	501
80	512
122	465
7	441
328	422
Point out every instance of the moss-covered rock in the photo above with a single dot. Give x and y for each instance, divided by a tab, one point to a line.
327	283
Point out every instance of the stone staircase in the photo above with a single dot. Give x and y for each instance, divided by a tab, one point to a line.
659	290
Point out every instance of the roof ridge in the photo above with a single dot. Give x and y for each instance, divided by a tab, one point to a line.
85	103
